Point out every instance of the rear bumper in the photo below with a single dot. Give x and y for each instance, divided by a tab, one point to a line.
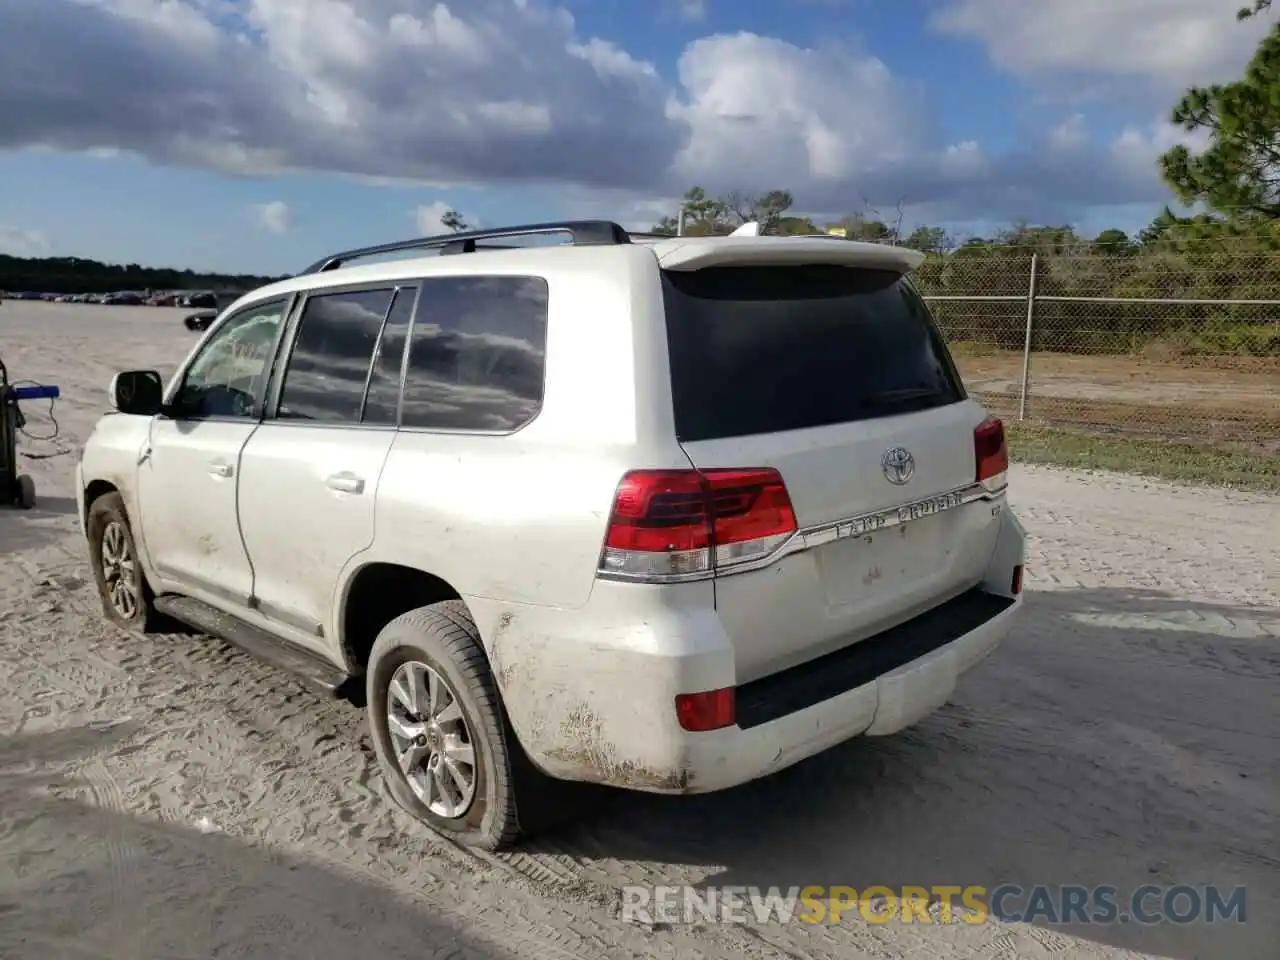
894	700
591	692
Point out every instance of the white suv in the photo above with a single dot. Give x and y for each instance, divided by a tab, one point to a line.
667	514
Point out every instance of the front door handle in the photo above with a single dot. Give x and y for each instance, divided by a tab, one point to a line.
220	469
345	483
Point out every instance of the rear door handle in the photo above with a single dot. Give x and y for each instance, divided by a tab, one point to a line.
345	483
220	469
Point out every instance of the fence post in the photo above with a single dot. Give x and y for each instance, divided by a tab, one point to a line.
1026	343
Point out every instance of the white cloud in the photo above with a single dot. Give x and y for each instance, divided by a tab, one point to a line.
273	217
1171	43
17	242
692	10
1071	133
764	110
428	217
838	126
1137	147
482	91
610	60
510	91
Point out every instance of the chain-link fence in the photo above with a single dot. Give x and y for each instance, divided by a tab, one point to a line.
1179	344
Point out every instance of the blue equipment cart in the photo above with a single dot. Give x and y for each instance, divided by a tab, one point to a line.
15	488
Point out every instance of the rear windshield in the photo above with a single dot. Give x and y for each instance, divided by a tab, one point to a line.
766	349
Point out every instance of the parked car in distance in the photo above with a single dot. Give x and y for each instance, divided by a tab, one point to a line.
200	320
661	514
206	300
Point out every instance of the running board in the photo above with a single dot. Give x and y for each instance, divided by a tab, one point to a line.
311	669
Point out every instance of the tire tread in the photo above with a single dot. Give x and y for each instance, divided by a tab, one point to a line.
450	623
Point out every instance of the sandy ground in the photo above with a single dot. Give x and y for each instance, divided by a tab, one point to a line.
1214	399
170	797
1229	384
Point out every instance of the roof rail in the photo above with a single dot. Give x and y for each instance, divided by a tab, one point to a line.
582	232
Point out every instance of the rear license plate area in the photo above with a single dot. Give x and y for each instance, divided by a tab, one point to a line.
873	564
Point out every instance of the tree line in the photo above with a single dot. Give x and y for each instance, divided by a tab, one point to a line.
79	275
1201	285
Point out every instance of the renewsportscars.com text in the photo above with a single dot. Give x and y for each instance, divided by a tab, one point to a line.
1009	903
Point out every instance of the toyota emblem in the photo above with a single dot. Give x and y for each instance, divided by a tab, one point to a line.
898	465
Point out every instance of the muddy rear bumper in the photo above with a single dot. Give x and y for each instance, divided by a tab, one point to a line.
864	690
591	692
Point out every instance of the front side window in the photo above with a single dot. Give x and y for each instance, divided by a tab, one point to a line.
228	377
476	354
329	363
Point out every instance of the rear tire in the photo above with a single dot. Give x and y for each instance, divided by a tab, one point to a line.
26	492
113	555
439	644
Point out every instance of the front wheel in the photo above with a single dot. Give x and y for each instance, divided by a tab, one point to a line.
113	555
446	749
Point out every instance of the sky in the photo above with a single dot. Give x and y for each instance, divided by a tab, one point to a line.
258	135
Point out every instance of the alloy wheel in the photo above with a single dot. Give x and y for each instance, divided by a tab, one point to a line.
431	740
119	571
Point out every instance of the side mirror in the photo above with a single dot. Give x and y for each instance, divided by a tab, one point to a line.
137	392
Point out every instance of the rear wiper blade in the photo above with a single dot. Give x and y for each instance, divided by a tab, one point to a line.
891	397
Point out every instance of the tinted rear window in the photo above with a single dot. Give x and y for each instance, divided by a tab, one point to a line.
766	349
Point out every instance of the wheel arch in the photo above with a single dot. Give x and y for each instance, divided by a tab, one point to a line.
98	488
95	490
374	595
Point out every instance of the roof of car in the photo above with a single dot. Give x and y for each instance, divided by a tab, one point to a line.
672	253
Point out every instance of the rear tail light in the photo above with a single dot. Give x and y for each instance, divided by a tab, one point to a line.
1015	586
991	454
689	524
712	710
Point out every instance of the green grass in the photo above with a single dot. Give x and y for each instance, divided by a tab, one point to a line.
1180	462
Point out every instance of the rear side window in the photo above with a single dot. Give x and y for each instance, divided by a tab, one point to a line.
476	354
767	349
330	361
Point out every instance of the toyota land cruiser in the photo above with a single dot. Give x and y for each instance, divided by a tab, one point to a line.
667	514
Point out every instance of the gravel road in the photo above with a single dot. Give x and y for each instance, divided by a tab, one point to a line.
171	797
